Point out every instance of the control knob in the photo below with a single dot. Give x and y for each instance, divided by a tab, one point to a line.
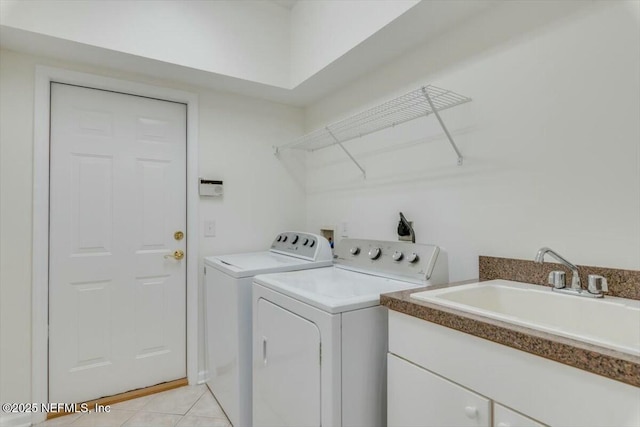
354	250
413	257
279	237
284	238
305	242
374	253
295	239
397	256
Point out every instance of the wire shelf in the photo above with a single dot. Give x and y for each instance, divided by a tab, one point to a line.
396	111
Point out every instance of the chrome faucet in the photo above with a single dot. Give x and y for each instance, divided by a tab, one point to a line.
575	278
597	284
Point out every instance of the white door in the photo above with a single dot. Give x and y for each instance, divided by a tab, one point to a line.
505	417
117	306
286	369
419	398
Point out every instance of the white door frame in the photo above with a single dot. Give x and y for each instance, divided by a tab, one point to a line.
40	273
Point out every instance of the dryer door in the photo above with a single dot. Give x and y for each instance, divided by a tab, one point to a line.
286	376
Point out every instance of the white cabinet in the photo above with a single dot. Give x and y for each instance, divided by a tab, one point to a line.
418	398
524	389
505	417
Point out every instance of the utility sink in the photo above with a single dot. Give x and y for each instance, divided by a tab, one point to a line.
608	322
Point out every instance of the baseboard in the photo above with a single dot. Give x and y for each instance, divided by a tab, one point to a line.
15	420
127	395
203	376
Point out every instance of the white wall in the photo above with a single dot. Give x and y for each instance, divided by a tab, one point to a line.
244	39
254	40
322	31
551	141
236	134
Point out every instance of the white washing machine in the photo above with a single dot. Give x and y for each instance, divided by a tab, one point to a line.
320	336
227	293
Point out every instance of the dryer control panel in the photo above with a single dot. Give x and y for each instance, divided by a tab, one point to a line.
414	262
302	245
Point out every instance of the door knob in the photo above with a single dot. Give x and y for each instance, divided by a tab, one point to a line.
176	255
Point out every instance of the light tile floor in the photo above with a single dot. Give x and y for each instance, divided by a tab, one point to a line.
189	406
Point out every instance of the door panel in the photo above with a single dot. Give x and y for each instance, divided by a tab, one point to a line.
91	204
150	309
419	398
117	310
93	304
286	389
505	417
152	177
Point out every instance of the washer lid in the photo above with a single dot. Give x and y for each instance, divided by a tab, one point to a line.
333	290
250	264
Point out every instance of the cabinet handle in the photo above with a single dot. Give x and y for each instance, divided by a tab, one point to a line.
471	411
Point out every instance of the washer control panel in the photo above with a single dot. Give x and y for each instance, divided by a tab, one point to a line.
302	245
405	260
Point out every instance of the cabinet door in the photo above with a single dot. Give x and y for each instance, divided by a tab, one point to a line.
418	398
286	369
505	417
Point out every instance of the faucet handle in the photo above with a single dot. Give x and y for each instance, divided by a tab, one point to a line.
557	279
597	284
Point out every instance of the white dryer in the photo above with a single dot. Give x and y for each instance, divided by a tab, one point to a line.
320	336
227	293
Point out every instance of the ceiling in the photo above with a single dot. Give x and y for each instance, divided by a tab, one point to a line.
418	26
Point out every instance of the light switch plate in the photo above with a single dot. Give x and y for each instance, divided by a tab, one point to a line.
209	229
344	229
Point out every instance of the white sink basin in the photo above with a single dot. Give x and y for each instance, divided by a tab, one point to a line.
608	322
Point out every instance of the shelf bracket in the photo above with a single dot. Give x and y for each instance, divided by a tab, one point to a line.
444	128
364	174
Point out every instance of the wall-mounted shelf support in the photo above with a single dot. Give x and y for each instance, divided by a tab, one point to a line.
444	128
364	174
417	103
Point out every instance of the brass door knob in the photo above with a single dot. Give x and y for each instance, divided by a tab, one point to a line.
176	255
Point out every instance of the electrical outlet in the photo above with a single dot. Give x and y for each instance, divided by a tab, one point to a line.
209	229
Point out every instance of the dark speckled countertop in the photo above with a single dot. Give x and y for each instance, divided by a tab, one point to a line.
592	358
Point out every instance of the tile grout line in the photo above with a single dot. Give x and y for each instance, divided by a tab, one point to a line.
190	408
126	420
132	413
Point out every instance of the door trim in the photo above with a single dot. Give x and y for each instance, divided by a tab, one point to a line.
40	270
